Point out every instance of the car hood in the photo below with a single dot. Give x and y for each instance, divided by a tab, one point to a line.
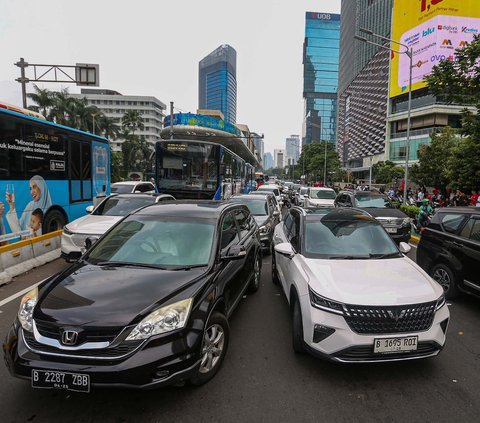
321	202
395	281
109	296
93	224
378	212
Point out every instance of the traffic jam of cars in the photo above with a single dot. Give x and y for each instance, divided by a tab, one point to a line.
153	282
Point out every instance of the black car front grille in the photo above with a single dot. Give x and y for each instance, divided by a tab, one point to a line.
121	350
370	320
88	334
365	352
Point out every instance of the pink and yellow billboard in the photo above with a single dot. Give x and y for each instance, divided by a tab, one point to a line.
433	29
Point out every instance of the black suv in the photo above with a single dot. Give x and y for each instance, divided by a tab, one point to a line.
146	306
449	250
379	206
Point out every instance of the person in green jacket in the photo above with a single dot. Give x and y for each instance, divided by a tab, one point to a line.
424	213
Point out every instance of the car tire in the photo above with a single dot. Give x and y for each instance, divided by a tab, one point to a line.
297	328
442	274
275	278
213	349
54	221
257	273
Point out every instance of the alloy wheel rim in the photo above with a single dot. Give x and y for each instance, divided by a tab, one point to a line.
212	348
256	272
441	276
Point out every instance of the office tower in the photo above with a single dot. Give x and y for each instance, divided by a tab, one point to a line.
320	76
279	158
267	161
217	82
292	147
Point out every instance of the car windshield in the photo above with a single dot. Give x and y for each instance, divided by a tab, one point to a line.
121	188
322	194
376	201
273	190
330	239
121	206
257	207
303	191
153	240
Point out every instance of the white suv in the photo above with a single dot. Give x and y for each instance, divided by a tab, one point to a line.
354	296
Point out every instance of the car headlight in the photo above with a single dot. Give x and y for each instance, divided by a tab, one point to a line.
440	302
326	304
66	231
25	312
165	319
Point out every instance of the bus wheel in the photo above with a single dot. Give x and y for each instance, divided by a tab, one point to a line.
54	221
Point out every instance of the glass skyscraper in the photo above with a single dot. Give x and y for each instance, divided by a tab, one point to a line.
320	76
217	82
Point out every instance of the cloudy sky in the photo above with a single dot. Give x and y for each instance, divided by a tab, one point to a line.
152	47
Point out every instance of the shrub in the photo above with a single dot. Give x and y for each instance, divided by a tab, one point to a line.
410	211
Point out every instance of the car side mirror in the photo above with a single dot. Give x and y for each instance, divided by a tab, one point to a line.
90	241
306	196
405	248
235	252
89	209
285	249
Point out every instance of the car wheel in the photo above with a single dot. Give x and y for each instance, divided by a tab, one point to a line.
257	271
275	278
214	348
446	278
54	221
297	328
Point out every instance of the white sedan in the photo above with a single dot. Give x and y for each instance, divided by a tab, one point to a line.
101	218
319	197
353	294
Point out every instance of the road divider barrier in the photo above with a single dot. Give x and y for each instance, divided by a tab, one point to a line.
22	256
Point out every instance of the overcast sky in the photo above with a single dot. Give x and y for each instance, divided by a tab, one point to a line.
152	47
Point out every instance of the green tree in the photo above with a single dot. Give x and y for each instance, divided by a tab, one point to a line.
108	127
116	165
386	172
464	165
43	99
131	121
136	153
312	160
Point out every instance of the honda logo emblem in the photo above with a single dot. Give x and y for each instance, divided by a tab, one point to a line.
69	337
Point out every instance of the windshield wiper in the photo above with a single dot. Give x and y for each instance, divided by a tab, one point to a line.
193	266
382	256
127	263
348	257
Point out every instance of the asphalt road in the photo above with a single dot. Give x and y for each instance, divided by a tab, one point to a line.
263	380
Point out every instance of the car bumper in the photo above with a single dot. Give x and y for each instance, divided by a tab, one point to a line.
265	241
73	245
159	362
346	346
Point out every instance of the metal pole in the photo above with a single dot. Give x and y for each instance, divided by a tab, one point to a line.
370	179
410	55
171	120
22	65
325	166
93	122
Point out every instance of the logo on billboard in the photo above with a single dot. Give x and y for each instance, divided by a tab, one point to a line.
428	31
426	4
463	43
468	30
446	43
420	63
449	28
324	16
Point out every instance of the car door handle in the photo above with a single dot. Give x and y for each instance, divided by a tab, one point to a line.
457	244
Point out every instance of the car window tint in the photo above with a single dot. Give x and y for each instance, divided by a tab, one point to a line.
229	231
467	229
293	235
242	218
475	234
451	222
288	223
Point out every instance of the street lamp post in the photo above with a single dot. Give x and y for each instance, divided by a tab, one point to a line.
408	51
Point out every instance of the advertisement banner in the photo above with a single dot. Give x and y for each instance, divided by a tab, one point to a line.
433	29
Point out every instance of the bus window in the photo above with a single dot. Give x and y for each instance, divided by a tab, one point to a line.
80	171
11	160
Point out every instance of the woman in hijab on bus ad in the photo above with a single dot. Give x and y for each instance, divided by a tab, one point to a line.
40	200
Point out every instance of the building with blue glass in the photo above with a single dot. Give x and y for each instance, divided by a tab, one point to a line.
320	76
217	82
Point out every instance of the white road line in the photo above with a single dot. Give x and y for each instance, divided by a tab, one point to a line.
18	294
413	246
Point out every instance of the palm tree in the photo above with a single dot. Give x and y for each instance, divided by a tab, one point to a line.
132	120
108	127
43	99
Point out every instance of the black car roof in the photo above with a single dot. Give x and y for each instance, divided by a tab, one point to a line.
350	214
466	210
202	209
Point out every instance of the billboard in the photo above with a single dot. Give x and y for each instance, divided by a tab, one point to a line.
433	29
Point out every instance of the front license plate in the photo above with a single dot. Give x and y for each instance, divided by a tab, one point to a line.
49	379
386	345
391	230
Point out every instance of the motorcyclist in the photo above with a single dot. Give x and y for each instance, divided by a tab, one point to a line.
425	212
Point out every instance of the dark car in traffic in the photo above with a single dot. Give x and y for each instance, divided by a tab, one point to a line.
147	305
379	206
265	213
449	250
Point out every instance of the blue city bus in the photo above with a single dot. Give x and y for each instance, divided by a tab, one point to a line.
49	174
192	169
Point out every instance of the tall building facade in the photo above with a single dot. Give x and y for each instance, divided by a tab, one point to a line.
259	145
267	161
114	105
363	85
320	76
279	158
217	82
292	147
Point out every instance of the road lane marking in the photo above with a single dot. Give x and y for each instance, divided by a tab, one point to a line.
18	294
